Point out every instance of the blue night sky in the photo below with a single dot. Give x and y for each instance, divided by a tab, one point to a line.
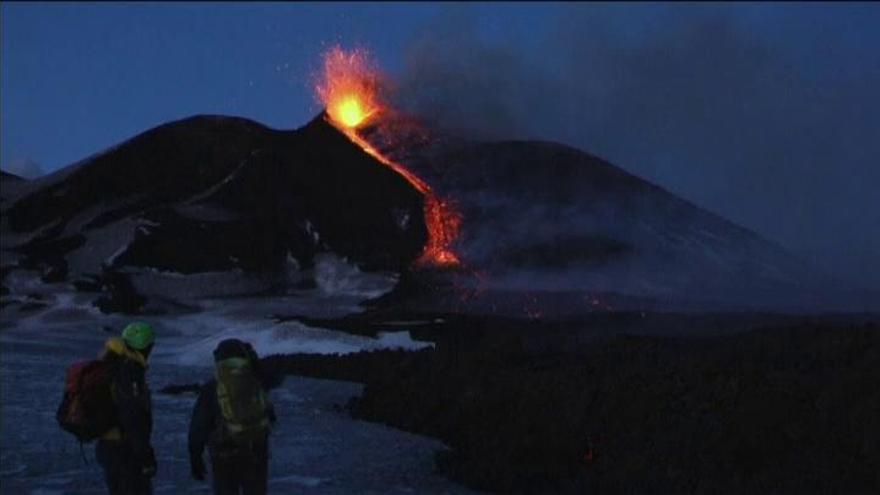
767	114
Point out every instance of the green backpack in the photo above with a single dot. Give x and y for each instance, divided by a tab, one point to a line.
243	401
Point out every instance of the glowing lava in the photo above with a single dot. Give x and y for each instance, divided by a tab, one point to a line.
350	112
349	89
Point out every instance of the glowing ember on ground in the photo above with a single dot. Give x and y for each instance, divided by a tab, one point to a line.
350	91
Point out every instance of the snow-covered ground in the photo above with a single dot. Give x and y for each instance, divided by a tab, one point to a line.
316	447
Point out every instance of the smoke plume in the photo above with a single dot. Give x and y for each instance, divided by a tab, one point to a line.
778	132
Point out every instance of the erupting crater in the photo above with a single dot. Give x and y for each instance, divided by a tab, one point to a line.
350	89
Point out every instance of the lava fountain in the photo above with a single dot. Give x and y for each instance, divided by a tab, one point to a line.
349	88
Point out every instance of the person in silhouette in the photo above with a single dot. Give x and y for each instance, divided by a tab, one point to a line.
125	451
233	417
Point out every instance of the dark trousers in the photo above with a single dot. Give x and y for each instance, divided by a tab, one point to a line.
241	473
121	473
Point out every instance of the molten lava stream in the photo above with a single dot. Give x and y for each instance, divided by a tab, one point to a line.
349	89
441	220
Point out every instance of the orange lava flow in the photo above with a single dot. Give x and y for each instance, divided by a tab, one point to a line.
349	89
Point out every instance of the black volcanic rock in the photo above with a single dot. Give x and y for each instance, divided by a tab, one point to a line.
169	163
119	295
213	193
6	176
781	409
9	183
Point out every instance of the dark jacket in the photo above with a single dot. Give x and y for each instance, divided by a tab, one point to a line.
206	426
132	398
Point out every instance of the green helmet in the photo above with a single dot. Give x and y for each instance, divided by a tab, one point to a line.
138	335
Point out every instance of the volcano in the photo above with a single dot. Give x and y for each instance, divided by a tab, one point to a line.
213	194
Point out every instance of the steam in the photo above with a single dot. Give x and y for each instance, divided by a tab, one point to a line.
24	167
778	136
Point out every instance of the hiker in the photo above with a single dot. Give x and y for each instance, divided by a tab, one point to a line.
233	416
125	451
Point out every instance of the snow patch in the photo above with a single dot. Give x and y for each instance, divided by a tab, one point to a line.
307	481
285	338
103	246
400	340
338	276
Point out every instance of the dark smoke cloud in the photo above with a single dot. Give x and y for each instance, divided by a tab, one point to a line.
776	128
